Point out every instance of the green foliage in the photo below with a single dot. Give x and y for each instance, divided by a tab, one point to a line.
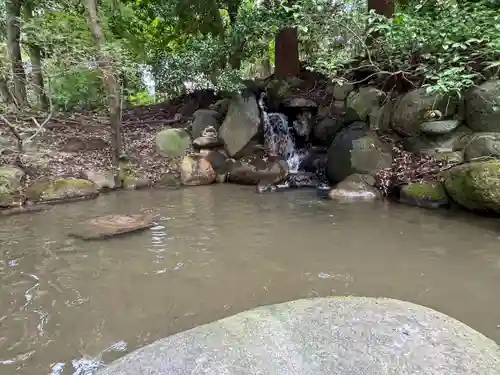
449	46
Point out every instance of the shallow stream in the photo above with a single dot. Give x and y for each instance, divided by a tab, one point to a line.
65	304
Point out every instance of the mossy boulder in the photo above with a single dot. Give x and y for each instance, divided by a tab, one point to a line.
10	184
424	194
416	107
475	186
172	142
61	190
481	105
365	101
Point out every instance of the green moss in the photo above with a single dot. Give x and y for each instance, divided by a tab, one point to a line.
60	189
426	190
475	186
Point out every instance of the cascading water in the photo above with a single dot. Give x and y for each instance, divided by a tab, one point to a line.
278	138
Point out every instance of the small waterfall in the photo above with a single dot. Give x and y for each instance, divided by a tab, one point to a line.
278	137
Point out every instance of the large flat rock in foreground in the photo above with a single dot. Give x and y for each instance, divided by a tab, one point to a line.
330	336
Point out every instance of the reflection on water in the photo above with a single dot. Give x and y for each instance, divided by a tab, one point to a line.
68	306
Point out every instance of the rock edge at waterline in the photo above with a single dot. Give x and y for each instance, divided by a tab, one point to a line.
344	335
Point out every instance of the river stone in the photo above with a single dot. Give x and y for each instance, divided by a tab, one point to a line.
172	142
252	170
195	170
418	106
424	194
321	336
365	101
221	106
10	185
61	190
425	143
325	130
356	187
110	226
340	91
356	150
297	102
482	107
102	180
439	127
207	143
475	186
380	118
204	118
241	124
480	144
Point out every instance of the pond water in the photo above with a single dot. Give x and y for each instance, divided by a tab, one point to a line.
66	304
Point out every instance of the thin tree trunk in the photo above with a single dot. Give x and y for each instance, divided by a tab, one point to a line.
110	80
5	92
36	64
383	7
14	48
286	53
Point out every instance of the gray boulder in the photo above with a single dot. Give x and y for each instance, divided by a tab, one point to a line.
204	118
365	101
355	150
322	336
482	107
416	107
241	124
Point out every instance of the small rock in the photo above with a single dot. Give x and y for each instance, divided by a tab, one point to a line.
111	225
102	180
61	190
439	127
424	143
195	170
356	187
424	194
252	170
136	183
172	142
207	143
204	118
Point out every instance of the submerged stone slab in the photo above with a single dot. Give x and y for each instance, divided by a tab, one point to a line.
111	225
323	336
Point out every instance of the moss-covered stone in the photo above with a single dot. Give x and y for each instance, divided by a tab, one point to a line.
172	142
10	184
424	194
61	190
475	186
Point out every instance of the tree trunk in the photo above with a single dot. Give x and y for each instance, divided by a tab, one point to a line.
110	80
286	53
5	92
383	7
36	64
13	38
